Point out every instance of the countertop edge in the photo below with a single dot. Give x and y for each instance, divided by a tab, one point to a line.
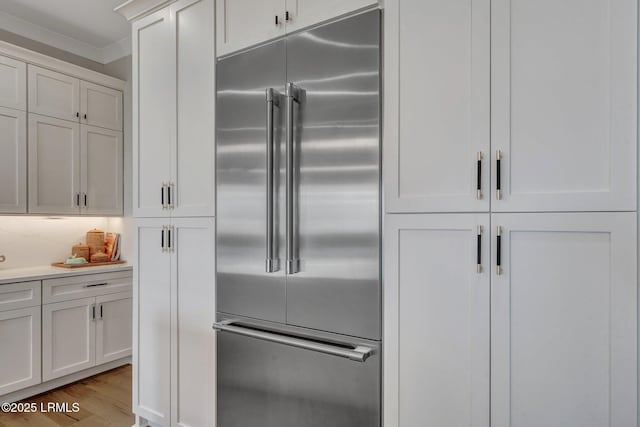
28	274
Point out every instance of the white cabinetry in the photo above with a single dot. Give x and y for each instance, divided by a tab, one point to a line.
86	322
174	302
13	84
13	160
437	105
244	23
53	94
20	336
100	106
174	147
437	320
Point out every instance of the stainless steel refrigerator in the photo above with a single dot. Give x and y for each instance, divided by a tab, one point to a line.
298	230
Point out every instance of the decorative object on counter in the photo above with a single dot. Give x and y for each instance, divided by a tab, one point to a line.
75	260
95	241
81	250
99	257
112	246
89	264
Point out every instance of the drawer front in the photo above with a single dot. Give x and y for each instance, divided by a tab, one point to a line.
90	285
19	295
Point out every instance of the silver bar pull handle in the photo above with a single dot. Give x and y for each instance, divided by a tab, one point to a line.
272	263
293	263
499	250
479	250
479	176
358	353
498	175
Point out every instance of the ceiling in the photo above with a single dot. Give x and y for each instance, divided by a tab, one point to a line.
88	28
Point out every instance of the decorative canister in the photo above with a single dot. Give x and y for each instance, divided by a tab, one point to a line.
81	250
95	241
99	257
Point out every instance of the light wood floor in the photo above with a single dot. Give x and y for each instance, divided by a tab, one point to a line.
105	400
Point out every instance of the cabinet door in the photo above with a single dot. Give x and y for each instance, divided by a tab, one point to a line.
13	160
153	112
194	156
436	311
437	75
193	369
304	13
53	94
20	349
564	104
54	163
113	327
243	23
13	84
152	323
68	337
100	106
563	319
101	170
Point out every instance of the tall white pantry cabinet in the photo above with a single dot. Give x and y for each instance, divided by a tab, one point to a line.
510	241
173	172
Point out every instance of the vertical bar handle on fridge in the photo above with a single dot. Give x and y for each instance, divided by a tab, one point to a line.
499	250
498	175
293	263
272	263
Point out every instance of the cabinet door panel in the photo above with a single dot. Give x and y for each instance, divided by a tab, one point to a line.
54	163
101	171
13	84
113	327
68	338
437	105
194	157
436	321
20	350
304	13
100	106
154	112
152	324
194	383
564	104
53	94
564	321
243	23
13	160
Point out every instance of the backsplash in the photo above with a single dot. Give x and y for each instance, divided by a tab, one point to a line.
28	241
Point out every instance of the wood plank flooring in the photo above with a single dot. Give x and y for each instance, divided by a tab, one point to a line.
105	400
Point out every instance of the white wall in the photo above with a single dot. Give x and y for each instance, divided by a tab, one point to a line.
29	241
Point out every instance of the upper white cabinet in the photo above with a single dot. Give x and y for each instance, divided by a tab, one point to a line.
174	101
564	320
437	133
13	161
564	113
436	320
100	106
13	84
244	23
53	94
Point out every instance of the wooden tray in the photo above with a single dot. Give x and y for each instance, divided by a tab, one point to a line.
91	264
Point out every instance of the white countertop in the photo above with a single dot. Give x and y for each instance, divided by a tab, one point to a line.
13	275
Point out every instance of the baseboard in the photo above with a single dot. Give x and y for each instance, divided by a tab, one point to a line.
59	382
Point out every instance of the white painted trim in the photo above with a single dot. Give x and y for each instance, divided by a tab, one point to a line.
116	50
44	61
136	9
58	382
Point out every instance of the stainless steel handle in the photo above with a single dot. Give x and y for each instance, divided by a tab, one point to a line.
163	198
358	353
499	250
498	175
272	263
479	250
170	195
293	263
163	242
479	176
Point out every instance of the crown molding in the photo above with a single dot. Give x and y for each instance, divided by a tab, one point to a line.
54	64
116	50
136	9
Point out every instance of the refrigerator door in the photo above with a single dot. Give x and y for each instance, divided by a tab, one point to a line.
267	383
244	136
335	70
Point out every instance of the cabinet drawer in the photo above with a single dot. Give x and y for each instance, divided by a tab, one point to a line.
90	285
19	295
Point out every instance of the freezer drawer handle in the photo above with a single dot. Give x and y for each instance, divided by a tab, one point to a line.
358	354
272	264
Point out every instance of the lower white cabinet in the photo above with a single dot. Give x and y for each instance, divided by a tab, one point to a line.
546	338
19	348
113	327
174	309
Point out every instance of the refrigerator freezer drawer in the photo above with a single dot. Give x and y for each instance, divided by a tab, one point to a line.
283	378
